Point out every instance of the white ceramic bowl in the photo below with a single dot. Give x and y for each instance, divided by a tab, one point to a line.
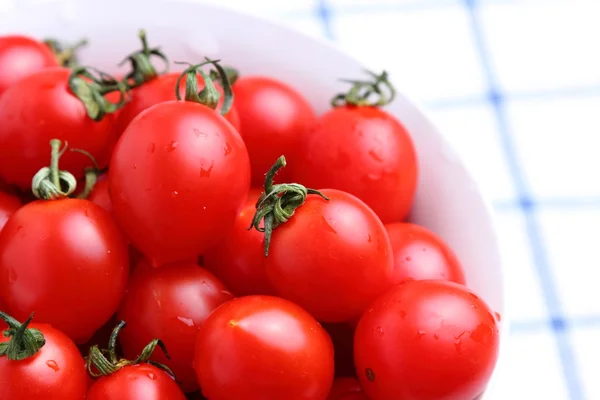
448	201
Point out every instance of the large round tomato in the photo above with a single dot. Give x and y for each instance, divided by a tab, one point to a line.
136	382
346	389
55	372
8	205
426	340
38	109
333	258
170	304
67	261
178	178
21	56
273	118
421	254
364	151
239	259
263	348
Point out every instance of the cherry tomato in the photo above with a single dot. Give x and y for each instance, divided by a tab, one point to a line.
263	348
136	382
346	389
342	336
67	261
55	372
159	90
21	56
178	178
239	260
333	258
8	205
421	254
273	118
100	194
170	304
38	109
426	340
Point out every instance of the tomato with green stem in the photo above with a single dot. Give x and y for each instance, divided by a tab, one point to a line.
263	348
171	304
38	361
426	340
8	205
63	258
327	252
122	379
180	174
367	151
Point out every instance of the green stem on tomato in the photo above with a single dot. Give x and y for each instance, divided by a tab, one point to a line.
362	92
66	56
50	183
24	342
142	69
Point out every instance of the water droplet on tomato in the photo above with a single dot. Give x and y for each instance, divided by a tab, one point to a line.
199	133
379	331
369	239
134	166
436	337
473	305
227	149
328	225
12	276
407	259
151	147
375	155
171	146
205	172
420	334
52	364
174	194
151	376
186	321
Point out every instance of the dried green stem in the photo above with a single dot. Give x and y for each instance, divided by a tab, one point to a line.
24	342
376	92
142	69
91	86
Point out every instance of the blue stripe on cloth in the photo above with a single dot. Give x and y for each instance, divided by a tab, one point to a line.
324	14
549	289
552	203
556	324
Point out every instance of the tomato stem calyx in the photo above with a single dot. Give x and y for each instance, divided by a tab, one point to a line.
105	362
24	342
278	203
91	85
232	74
50	183
209	96
361	92
142	69
65	55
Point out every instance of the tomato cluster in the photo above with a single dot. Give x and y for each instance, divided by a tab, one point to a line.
181	239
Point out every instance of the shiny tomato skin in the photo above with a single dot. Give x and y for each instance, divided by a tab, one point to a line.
159	90
273	118
8	205
364	151
426	340
333	258
38	109
263	348
100	194
178	178
67	261
136	382
56	372
346	389
421	254
21	56
239	259
170	304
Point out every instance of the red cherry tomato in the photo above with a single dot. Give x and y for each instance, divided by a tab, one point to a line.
178	178
333	258
239	259
55	372
421	254
21	56
159	90
100	194
67	261
363	151
38	109
8	205
273	118
170	304
136	382
346	389
263	348
426	340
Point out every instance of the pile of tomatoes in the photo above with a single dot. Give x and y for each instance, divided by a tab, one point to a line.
204	234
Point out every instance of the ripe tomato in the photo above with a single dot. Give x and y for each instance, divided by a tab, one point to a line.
263	348
170	304
8	205
178	178
364	151
100	194
273	118
38	109
21	56
346	389
67	261
239	260
55	370
426	340
421	254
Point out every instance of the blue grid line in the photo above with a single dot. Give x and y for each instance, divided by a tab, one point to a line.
581	322
558	202
324	13
560	327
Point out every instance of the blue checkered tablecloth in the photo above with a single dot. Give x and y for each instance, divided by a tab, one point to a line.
515	86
